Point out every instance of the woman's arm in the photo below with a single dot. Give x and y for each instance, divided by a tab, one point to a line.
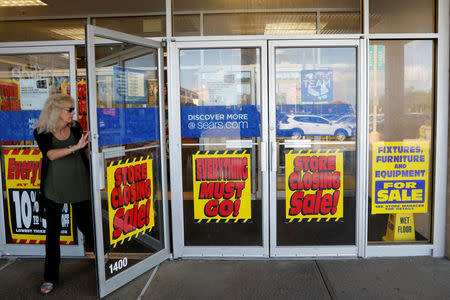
62	152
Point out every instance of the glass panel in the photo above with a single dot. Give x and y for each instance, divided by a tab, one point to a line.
62	26
42	30
338	23
128	124
185	25
259	23
401	140
316	133
220	111
26	81
387	16
148	26
86	7
269	17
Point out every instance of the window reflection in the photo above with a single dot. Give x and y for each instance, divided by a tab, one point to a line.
220	116
315	93
266	17
401	114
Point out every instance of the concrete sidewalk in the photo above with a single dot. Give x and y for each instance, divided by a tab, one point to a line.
387	278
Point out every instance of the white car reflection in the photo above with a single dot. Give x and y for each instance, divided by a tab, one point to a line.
310	125
348	121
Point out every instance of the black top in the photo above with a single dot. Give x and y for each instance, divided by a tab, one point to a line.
45	142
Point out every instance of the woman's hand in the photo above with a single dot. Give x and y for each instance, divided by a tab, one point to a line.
82	142
61	152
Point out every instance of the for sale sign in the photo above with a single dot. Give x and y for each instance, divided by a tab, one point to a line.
23	179
400	172
222	186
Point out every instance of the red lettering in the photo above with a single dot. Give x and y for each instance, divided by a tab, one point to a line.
128	221
226	208
237	204
118	223
325	205
313	204
229	190
130	175
296	203
118	177
239	187
116	198
141	216
212	208
148	188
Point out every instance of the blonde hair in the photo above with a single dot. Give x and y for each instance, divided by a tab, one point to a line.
51	111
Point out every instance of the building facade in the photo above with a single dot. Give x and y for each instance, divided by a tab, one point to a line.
278	129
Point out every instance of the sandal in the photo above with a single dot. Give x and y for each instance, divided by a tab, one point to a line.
46	288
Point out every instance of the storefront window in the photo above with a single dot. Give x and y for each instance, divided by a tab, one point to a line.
268	17
401	140
186	25
388	16
26	81
316	104
148	26
220	129
42	30
66	20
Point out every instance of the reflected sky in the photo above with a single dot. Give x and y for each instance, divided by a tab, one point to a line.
417	64
209	69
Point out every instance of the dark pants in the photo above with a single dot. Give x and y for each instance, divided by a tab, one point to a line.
82	216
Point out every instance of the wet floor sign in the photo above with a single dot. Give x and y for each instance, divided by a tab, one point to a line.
400	227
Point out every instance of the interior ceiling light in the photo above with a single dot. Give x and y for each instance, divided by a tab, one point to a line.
74	33
290	28
71	33
17	3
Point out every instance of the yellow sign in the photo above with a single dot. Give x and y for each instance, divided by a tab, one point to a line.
23	179
400	227
314	186
222	186
400	177
130	198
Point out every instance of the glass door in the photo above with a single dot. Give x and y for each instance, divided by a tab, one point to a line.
314	142
218	141
28	76
128	154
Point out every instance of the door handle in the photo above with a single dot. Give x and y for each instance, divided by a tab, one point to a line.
99	179
263	149
274	151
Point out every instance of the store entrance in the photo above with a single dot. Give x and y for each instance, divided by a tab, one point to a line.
128	155
268	150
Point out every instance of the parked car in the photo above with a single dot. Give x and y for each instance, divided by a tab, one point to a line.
348	121
311	125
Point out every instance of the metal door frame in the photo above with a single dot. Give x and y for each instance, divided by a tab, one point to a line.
361	152
179	248
35	249
97	167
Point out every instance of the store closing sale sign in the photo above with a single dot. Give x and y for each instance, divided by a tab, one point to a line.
314	186
400	177
222	186
23	179
130	198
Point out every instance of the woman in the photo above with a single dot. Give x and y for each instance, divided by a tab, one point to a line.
64	178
